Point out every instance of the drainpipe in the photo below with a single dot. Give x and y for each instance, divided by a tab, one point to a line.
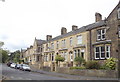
90	45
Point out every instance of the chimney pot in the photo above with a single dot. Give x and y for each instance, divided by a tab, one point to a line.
98	17
74	27
63	30
48	37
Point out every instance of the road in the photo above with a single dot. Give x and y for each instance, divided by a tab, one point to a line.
15	74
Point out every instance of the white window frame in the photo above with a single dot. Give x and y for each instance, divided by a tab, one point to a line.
71	57
119	33
98	35
83	51
118	13
79	39
107	51
75	54
52	45
71	41
101	33
96	52
63	43
52	57
65	56
102	52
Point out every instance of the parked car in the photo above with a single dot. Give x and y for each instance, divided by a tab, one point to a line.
13	65
17	66
8	64
25	67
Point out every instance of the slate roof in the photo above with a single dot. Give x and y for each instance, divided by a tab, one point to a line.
39	42
80	30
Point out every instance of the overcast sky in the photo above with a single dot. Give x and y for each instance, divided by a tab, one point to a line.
23	20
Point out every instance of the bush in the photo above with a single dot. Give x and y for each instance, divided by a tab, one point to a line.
79	60
92	65
110	64
77	68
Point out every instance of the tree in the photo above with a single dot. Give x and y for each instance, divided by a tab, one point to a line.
79	60
16	56
59	59
4	56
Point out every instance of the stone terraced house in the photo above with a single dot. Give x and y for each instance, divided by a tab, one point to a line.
97	41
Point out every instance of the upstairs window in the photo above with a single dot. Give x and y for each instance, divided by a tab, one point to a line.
118	13
63	43
79	39
52	45
71	41
57	44
101	34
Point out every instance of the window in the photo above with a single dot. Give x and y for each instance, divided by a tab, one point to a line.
63	43
52	45
119	13
82	53
102	52
97	53
119	33
107	51
71	41
46	46
71	56
75	53
57	44
101	34
52	57
79	39
78	53
65	56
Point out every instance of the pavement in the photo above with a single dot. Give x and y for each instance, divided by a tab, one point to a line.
76	77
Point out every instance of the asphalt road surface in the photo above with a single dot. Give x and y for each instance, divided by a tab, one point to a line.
16	74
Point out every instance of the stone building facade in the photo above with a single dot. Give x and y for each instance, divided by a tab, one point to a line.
97	41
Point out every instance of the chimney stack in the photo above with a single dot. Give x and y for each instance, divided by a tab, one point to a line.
98	17
74	27
63	30
48	37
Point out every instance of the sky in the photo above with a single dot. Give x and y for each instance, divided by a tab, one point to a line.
23	20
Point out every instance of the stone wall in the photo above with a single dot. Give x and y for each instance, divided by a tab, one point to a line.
86	72
45	68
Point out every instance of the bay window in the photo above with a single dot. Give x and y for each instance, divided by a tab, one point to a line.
102	52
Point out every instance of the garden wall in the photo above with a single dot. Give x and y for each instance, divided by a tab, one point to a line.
46	68
87	72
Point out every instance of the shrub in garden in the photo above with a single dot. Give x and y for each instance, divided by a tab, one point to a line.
79	60
77	68
92	65
110	63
